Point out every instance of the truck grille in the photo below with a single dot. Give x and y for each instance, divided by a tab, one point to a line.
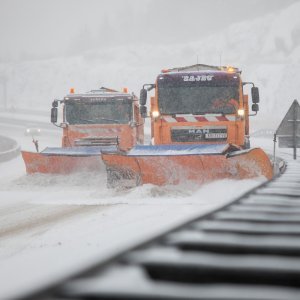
198	134
97	141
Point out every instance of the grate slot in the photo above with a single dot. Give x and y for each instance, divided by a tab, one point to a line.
265	209
234	243
257	217
270	200
249	228
279	191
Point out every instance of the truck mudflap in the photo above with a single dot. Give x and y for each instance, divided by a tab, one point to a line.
175	164
65	160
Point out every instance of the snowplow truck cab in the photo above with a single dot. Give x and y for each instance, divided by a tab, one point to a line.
100	118
93	121
200	104
199	131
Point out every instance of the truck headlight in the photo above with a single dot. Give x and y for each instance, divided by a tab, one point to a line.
155	114
33	131
241	112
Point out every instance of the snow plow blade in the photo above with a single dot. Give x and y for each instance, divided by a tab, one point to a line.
65	160
174	164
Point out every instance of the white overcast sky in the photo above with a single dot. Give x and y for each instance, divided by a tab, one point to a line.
47	28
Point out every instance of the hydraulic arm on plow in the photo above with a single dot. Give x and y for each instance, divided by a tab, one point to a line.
199	130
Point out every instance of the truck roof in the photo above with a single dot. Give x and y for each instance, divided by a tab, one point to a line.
202	68
204	77
100	94
202	72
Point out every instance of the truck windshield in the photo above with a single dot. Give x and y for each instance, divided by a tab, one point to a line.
198	99
106	112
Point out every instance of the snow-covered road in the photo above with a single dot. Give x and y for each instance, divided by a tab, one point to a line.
51	225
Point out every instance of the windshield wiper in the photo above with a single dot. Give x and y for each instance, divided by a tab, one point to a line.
93	121
208	113
86	120
111	120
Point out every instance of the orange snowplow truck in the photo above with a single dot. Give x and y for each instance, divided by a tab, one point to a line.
97	120
199	127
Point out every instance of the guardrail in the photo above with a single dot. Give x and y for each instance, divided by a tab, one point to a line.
9	148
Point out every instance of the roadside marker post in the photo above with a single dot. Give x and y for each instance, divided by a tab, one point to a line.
288	132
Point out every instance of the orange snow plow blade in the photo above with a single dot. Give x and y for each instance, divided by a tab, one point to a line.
63	160
174	164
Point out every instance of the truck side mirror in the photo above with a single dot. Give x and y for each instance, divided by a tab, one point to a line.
255	107
143	97
54	115
255	94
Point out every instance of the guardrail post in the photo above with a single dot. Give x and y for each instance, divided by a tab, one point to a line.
287	132
295	130
274	153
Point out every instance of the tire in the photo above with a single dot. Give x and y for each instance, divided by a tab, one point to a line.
121	178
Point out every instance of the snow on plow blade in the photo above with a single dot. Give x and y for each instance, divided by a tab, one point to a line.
64	160
174	164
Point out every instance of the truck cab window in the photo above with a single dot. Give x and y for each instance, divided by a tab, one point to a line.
114	112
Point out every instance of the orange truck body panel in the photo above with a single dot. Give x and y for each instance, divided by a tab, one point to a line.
162	131
127	135
235	129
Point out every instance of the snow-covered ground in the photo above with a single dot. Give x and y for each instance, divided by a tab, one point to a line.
51	224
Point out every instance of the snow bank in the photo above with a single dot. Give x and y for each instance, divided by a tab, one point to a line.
9	148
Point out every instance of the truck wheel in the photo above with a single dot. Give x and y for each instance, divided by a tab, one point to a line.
121	179
113	178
